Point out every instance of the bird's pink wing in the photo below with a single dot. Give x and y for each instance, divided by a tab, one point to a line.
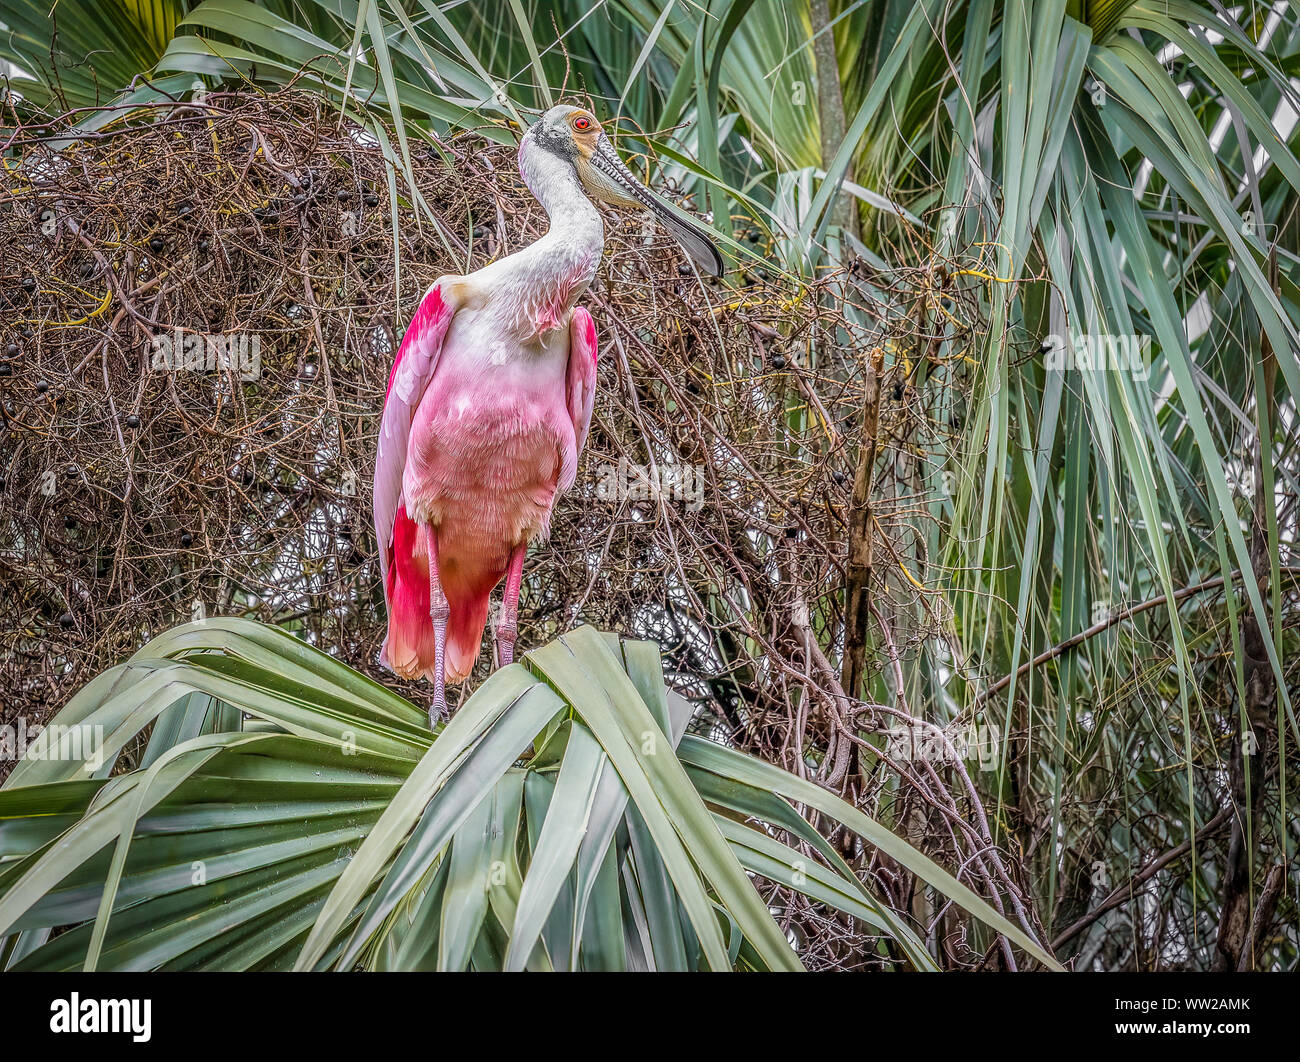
580	388
417	358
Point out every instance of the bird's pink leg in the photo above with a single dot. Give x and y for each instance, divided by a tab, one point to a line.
510	606
439	611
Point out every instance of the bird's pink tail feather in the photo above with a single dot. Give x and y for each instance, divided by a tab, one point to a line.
465	635
409	647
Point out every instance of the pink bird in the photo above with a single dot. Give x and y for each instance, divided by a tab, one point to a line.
488	407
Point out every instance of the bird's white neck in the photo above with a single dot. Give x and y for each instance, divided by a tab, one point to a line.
552	273
555	184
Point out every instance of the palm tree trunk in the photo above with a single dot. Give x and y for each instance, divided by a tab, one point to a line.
830	109
1233	948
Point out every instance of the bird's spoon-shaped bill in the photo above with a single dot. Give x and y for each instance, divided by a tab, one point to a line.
607	178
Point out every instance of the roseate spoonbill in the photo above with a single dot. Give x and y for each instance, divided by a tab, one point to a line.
488	406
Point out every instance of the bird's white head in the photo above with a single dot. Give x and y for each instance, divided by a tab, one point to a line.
573	136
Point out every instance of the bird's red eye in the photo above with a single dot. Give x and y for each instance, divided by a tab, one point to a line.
582	124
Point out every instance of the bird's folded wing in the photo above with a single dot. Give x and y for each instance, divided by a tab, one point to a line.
580	388
417	358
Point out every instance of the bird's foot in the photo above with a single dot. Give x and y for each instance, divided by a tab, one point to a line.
438	711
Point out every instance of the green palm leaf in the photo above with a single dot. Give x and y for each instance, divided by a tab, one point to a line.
524	833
